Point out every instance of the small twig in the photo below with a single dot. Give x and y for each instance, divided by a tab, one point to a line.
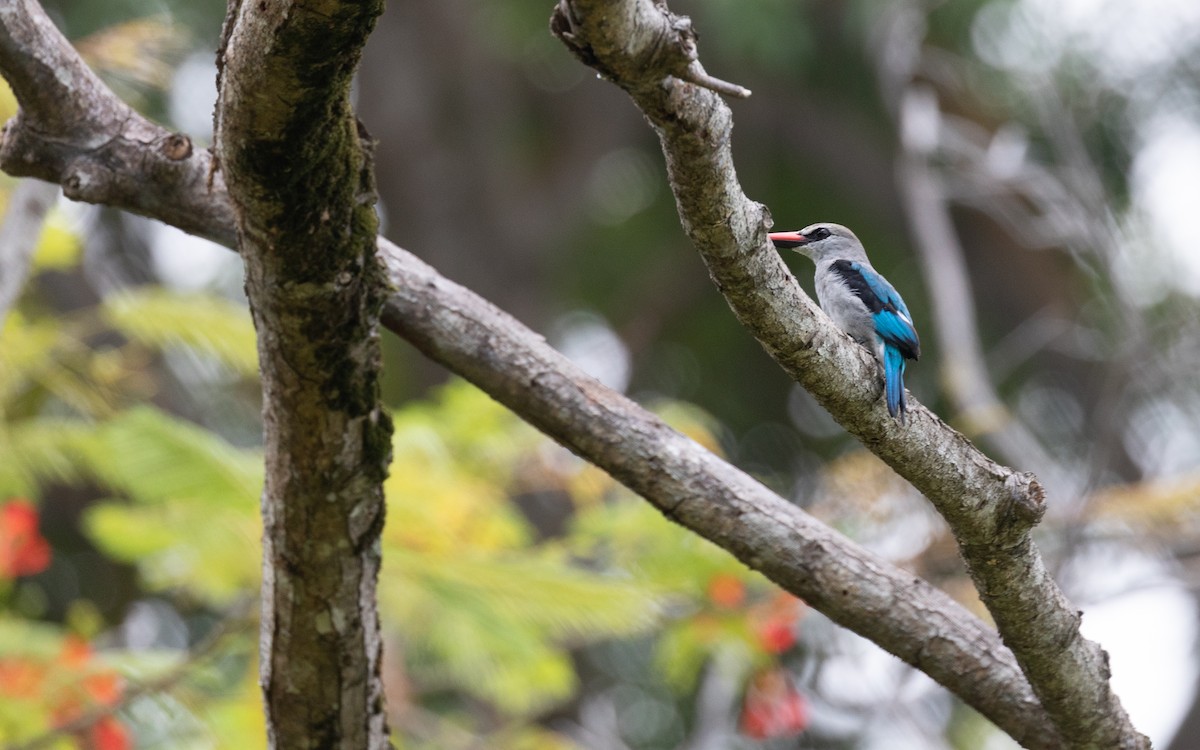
695	74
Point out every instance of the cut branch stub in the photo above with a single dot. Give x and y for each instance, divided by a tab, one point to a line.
671	49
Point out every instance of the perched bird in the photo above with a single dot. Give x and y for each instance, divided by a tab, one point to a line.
860	301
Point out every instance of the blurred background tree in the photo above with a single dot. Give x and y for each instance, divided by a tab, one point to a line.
1023	170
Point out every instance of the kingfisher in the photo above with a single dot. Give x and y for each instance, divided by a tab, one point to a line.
860	301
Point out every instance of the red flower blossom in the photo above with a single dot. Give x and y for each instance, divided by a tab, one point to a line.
776	635
773	707
23	551
108	734
774	622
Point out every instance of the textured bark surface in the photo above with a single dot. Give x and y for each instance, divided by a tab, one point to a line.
72	131
639	45
993	506
299	177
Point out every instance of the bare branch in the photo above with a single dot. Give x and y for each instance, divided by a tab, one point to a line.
990	508
72	131
694	73
671	53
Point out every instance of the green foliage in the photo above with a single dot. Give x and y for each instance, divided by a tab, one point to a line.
481	606
58	248
630	535
155	458
506	608
44	365
193	496
39	452
202	322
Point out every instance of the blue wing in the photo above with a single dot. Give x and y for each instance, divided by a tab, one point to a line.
893	324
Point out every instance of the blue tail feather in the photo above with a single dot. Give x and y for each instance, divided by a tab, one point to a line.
893	378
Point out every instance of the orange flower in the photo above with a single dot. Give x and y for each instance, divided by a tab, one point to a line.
725	590
104	688
23	551
76	652
95	688
774	622
21	677
71	685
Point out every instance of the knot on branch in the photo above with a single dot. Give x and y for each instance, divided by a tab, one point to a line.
176	147
563	25
18	156
673	46
87	180
1026	502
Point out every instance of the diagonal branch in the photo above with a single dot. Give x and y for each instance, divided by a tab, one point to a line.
690	485
990	508
112	150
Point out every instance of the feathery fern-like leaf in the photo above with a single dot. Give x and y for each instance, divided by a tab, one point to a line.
154	458
206	323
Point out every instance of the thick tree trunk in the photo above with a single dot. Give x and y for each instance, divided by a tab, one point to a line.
299	175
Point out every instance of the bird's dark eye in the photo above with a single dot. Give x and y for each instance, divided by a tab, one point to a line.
818	234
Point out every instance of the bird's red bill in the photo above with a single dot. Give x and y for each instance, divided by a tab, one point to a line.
787	239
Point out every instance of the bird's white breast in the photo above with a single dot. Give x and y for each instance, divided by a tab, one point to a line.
844	306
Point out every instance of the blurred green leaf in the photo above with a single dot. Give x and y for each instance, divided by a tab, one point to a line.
206	323
58	249
41	451
156	458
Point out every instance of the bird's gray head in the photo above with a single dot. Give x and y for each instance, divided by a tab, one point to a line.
821	241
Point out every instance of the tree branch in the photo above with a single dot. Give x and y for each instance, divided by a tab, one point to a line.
990	508
679	58
112	150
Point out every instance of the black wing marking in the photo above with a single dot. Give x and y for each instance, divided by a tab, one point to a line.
888	311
